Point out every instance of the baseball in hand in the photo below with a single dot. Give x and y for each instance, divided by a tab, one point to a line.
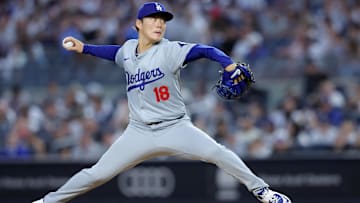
69	44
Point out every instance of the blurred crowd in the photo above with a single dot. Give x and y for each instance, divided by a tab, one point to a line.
311	40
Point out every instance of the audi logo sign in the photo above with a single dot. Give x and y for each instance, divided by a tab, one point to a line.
147	182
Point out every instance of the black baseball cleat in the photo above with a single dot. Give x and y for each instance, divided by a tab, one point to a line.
265	195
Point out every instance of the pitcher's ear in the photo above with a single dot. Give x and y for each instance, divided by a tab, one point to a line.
138	24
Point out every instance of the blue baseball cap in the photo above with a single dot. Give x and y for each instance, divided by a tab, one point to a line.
152	8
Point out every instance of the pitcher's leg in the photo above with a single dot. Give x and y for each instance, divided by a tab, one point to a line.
232	164
188	140
130	149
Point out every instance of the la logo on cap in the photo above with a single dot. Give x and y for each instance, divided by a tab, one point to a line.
158	7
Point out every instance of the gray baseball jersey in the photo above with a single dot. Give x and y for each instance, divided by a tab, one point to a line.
153	86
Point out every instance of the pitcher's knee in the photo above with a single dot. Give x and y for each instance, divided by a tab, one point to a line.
217	153
95	176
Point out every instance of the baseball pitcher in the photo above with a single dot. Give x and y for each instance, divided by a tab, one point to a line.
158	123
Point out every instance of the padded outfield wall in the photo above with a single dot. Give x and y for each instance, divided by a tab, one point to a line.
305	180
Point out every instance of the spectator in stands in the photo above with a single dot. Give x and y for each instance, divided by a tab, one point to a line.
278	140
321	135
62	142
22	141
87	149
331	102
347	137
223	136
246	135
7	118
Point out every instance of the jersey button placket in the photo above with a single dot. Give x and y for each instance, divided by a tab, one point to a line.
140	98
139	91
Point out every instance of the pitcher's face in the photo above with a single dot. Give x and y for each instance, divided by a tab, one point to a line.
152	28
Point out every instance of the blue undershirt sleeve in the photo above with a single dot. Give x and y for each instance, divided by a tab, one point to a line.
212	53
103	51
